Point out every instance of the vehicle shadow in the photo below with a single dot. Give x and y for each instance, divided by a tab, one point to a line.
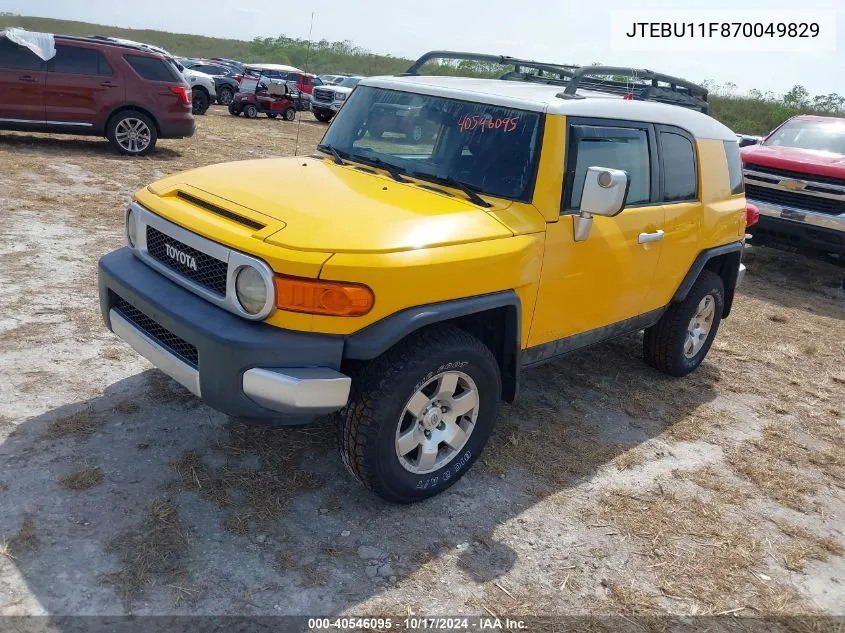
144	500
60	145
795	280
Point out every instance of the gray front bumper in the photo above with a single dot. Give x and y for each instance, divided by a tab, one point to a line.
801	216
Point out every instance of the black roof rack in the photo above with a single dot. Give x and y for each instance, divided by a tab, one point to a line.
630	83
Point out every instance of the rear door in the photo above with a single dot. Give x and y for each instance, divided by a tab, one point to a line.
22	77
82	89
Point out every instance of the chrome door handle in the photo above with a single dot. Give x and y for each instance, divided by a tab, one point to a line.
645	238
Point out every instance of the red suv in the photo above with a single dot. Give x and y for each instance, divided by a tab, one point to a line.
130	95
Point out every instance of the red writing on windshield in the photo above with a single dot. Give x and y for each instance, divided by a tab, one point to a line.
487	122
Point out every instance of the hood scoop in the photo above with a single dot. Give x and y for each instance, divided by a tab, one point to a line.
213	208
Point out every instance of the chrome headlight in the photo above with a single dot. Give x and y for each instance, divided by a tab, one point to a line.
339	96
131	229
251	290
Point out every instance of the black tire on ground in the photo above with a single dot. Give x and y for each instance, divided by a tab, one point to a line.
290	114
323	117
225	96
376	412
664	343
250	110
199	101
119	132
232	110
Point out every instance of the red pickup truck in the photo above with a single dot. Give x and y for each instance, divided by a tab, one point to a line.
796	178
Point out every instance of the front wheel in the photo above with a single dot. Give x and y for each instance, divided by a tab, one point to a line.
250	110
290	114
322	117
680	340
420	414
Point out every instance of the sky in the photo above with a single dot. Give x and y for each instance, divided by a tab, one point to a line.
564	31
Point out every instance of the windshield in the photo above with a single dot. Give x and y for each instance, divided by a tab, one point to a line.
825	136
489	149
349	82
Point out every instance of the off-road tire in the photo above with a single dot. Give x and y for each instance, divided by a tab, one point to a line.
663	343
199	101
128	115
380	390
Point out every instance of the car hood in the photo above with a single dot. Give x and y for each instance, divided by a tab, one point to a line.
795	159
327	207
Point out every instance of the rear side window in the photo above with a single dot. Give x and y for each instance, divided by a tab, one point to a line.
617	148
152	68
734	167
79	61
677	157
18	57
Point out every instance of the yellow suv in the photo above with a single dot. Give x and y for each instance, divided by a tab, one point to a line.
456	231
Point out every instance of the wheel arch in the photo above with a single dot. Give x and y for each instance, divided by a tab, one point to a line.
133	107
492	318
724	261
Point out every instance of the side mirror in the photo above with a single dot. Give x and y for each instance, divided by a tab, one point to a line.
745	141
605	191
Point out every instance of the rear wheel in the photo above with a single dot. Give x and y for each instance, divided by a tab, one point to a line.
225	96
290	114
250	110
199	101
420	414
680	340
133	133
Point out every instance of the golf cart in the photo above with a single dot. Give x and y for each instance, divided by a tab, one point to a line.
264	91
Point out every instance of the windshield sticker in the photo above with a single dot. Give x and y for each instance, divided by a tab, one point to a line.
487	122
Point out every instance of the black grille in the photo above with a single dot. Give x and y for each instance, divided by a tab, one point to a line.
793	199
797	175
210	272
178	346
323	95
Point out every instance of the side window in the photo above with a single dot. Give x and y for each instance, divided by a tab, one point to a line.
734	167
78	60
18	57
677	158
318	81
617	148
152	68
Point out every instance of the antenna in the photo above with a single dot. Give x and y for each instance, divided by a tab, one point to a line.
307	56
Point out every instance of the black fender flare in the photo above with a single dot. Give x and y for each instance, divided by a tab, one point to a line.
377	338
729	274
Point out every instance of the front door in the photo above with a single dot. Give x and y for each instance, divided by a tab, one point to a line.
22	78
81	90
591	285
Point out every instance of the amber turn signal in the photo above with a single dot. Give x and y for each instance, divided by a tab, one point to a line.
314	296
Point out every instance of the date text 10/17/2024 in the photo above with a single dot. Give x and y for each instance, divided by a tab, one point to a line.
417	623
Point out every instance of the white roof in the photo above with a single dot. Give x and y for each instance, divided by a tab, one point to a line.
279	67
542	98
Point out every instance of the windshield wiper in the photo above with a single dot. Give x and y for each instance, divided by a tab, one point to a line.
328	149
394	171
457	184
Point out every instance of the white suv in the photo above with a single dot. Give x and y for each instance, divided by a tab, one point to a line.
327	100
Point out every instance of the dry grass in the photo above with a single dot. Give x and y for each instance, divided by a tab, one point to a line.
83	479
629	459
698	555
158	548
126	407
195	476
75	424
803	545
237	523
717	483
25	539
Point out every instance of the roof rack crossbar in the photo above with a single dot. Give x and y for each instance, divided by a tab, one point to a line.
636	83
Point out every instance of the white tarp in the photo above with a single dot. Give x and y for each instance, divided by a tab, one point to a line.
42	44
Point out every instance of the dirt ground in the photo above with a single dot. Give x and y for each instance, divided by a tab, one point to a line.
608	488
